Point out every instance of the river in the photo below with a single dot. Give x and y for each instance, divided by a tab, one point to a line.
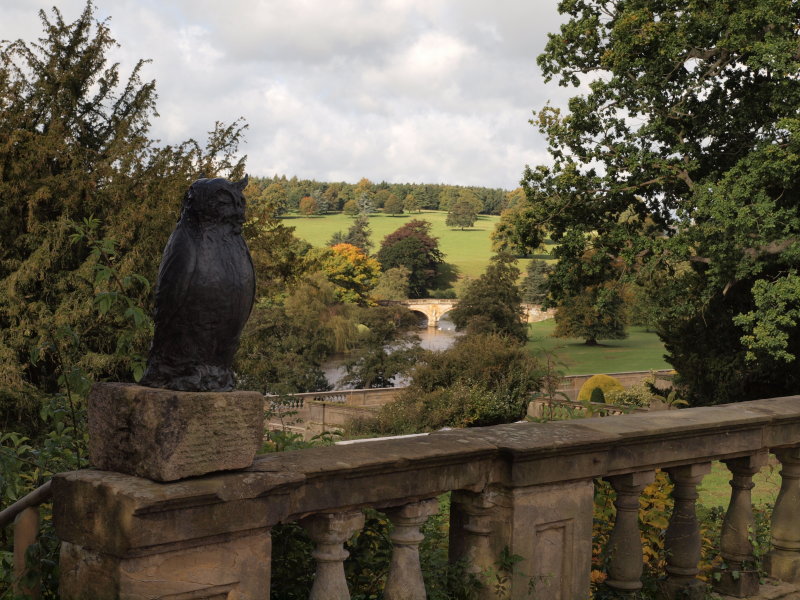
440	338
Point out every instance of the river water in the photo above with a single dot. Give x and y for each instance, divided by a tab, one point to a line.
440	338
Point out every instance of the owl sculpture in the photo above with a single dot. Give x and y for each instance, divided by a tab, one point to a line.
204	293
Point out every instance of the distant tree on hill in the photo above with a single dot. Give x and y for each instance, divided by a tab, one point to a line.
381	196
597	313
358	235
534	286
412	203
393	205
308	206
392	284
462	214
350	270
492	303
447	197
365	203
350	208
274	195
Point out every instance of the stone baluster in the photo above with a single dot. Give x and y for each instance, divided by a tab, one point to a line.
329	532
472	531
26	530
476	528
625	542
783	561
404	581
682	539
738	577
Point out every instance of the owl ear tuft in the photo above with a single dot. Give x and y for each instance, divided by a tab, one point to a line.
243	183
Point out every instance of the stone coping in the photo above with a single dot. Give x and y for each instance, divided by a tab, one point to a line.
287	486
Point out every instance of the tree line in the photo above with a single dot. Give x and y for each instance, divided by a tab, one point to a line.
308	196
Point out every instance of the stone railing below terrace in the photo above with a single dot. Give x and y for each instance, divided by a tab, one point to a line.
311	413
551	409
524	487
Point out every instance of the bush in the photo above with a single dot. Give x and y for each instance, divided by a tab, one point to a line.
484	379
605	382
597	396
638	395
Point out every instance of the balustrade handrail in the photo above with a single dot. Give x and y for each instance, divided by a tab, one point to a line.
515	454
332	393
539	476
31	500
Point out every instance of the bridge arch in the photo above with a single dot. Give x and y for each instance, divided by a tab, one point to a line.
432	308
435	308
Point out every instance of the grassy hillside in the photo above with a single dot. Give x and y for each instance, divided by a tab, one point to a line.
469	250
640	351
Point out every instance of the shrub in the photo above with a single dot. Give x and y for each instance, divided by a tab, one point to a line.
597	396
638	395
605	382
484	379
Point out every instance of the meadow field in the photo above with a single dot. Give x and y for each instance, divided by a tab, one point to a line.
640	351
468	250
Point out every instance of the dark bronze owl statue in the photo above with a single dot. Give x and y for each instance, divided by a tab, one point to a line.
204	293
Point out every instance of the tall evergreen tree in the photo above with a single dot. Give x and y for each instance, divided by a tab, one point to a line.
73	145
492	303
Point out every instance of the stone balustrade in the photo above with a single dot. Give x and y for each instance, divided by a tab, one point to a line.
524	488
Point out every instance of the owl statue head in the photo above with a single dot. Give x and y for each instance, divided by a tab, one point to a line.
215	202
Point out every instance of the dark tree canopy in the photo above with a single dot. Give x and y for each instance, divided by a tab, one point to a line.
412	246
492	303
534	285
681	162
462	214
597	313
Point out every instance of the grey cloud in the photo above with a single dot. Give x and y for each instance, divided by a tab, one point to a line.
396	90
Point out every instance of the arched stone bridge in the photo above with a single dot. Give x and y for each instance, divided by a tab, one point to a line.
434	309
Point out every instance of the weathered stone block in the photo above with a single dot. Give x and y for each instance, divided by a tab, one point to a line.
233	567
167	435
551	529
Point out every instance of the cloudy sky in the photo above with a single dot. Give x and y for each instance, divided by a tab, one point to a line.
435	91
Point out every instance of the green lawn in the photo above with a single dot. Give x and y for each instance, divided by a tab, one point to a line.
716	491
640	351
468	250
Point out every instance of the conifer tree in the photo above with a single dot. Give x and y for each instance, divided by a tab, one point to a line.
74	145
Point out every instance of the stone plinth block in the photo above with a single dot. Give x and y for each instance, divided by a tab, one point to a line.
166	435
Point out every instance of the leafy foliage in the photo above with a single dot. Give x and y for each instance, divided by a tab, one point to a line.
74	150
596	313
493	303
393	205
483	379
357	235
58	436
392	284
534	285
308	206
352	273
681	162
461	214
411	246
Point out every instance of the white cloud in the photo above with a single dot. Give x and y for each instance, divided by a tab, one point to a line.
396	90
